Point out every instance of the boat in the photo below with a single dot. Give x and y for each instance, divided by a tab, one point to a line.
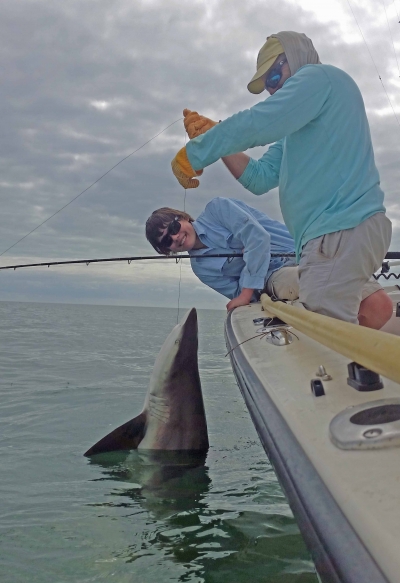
324	396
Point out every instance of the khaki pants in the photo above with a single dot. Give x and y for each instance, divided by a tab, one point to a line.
283	284
335	270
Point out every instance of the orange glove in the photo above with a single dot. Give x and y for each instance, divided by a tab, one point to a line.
196	124
183	170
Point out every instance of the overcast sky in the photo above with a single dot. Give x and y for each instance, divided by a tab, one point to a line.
86	82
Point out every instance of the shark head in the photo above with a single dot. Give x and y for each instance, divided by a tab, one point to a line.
173	417
174	403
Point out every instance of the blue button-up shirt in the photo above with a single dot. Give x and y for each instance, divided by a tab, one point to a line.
229	225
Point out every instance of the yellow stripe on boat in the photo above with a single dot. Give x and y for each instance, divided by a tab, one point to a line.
373	349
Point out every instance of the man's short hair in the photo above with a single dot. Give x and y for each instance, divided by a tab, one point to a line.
158	221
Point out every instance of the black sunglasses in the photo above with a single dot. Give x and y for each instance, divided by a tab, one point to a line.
275	75
173	229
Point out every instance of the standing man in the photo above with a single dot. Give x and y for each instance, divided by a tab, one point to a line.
322	159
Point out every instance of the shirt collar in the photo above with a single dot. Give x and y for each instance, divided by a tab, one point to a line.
201	232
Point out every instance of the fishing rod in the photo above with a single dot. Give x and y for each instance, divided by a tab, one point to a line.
390	255
137	258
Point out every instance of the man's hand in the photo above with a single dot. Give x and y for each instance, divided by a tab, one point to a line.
242	300
183	170
196	124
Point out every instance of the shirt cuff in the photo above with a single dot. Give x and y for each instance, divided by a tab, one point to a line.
247	179
253	281
191	157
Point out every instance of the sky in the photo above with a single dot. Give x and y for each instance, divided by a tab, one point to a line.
87	82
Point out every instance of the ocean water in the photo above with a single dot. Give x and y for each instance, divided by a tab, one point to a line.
69	374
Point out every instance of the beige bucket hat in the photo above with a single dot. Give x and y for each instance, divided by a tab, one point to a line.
266	57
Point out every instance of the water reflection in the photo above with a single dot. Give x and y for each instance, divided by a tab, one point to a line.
164	482
183	524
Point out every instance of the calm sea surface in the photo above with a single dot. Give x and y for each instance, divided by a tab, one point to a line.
69	374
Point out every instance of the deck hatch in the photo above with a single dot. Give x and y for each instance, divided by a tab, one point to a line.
368	426
377	415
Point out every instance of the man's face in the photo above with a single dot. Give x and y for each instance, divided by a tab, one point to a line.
184	240
280	68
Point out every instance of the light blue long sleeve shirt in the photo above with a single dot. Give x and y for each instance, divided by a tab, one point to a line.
228	225
321	158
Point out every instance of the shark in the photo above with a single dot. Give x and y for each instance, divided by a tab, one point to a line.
173	417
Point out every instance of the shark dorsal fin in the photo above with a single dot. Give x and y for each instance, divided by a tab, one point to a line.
126	436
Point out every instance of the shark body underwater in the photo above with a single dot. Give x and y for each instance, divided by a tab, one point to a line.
173	417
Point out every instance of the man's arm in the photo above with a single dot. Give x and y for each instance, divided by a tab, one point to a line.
260	176
298	102
243	299
236	163
252	237
196	125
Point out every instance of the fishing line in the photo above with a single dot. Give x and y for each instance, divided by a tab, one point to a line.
397	12
180	263
372	59
86	189
391	36
179	290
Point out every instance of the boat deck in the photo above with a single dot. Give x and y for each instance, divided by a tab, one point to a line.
347	502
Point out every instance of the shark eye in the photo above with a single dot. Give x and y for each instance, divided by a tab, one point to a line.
177	341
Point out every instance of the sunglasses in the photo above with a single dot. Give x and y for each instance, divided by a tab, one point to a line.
173	229
275	75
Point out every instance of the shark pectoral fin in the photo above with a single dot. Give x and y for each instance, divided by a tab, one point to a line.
127	436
